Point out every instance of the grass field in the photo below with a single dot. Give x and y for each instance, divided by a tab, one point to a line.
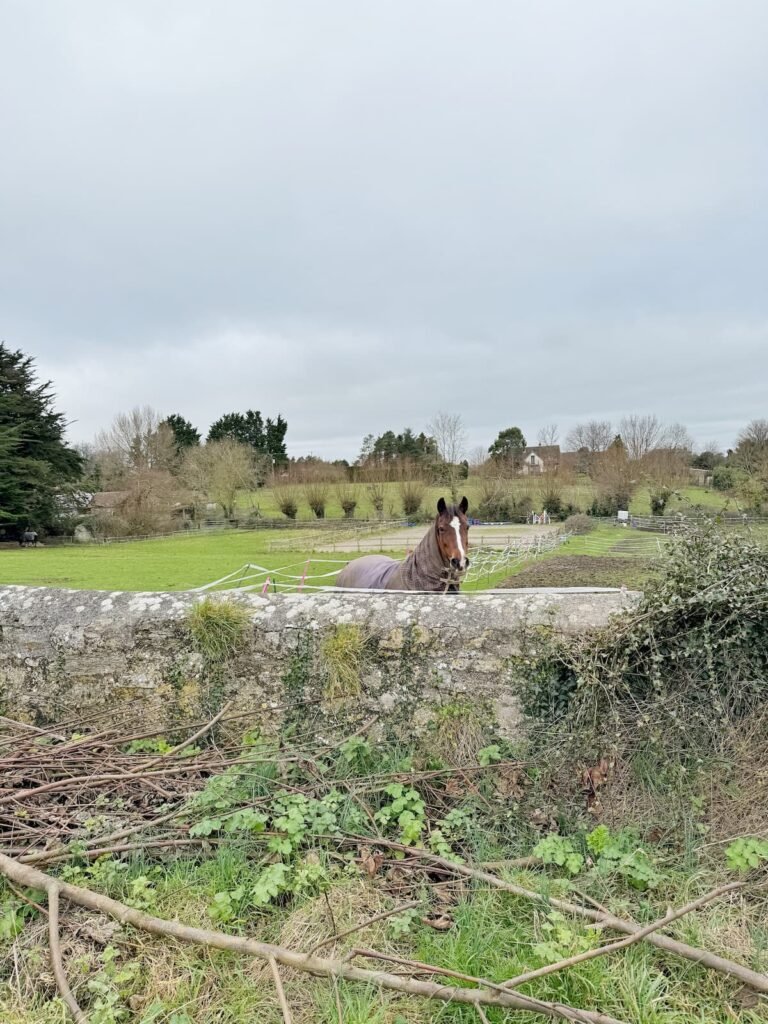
191	560
173	563
580	494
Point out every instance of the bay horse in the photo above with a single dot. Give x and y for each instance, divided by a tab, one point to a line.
28	539
437	565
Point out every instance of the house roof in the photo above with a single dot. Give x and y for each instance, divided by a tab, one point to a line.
544	451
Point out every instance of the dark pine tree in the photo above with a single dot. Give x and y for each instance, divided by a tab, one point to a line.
267	438
275	440
184	434
36	463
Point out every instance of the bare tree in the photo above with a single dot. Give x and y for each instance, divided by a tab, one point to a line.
752	448
549	434
451	439
595	436
477	457
138	440
615	478
641	434
755	432
677	437
450	436
219	470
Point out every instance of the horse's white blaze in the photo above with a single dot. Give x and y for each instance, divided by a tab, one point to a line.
456	524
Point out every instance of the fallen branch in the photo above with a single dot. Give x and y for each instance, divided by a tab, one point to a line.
614	947
55	950
24	874
286	1010
569	1012
753	979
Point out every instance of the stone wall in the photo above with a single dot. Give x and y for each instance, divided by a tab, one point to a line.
69	655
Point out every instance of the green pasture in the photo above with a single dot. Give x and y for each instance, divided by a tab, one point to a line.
169	563
191	560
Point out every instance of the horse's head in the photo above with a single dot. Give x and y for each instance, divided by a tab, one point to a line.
453	534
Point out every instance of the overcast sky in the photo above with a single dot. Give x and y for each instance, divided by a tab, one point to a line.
359	213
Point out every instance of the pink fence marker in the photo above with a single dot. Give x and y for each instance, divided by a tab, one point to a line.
265	588
304	575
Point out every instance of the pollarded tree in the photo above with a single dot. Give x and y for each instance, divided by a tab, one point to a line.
35	460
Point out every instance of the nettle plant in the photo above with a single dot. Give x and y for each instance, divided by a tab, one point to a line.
747	853
294	823
619	856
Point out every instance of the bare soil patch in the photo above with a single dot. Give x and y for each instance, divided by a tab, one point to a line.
584	571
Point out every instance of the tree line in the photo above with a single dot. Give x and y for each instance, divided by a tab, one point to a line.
159	462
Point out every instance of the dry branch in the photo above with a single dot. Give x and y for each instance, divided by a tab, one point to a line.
55	950
614	947
569	1012
285	1009
26	875
187	742
753	979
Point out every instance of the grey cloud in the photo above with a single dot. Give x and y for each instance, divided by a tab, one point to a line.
357	214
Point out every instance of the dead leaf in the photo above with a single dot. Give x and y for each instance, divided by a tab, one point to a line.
595	777
543	821
370	862
455	786
440	923
592	780
509	784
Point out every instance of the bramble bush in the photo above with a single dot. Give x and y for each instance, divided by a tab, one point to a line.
694	654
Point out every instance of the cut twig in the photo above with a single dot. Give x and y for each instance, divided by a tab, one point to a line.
187	742
753	979
55	951
24	874
286	1010
567	1012
614	947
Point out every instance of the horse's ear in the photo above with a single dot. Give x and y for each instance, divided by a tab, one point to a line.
441	506
464	506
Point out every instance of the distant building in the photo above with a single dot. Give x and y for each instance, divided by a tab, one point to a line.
538	459
700	477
